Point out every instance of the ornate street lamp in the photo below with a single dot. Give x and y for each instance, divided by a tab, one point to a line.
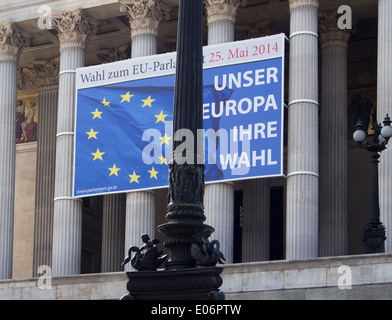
190	272
374	231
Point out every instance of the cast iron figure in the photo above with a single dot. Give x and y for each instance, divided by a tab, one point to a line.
206	253
147	257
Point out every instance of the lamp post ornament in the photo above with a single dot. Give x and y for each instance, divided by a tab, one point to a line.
374	232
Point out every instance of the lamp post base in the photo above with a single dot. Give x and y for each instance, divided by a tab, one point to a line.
374	238
185	284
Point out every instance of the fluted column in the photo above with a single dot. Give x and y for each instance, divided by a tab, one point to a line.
113	232
140	217
11	42
46	155
219	197
256	220
302	177
384	106
74	29
256	192
144	18
333	137
113	210
219	210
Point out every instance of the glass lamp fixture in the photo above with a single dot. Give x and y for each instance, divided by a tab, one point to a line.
359	134
386	131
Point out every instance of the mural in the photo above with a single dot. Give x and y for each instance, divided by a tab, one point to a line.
26	118
362	105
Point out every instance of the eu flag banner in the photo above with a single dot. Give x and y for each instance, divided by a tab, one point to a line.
124	111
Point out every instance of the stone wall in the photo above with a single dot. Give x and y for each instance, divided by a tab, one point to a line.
315	279
26	157
371	277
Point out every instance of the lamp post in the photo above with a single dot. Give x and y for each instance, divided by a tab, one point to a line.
374	232
191	272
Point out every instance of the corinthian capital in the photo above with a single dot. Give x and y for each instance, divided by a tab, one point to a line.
144	15
223	9
11	41
330	34
295	3
74	28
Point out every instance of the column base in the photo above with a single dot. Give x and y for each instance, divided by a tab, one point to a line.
184	284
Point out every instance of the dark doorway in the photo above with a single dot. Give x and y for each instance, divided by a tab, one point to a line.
276	223
237	254
91	235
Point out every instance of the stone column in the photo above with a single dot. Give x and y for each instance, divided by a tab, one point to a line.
113	232
74	29
384	106
219	197
333	137
46	155
11	42
256	192
113	211
144	18
43	76
256	220
303	177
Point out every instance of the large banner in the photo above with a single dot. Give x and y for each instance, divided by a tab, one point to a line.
124	111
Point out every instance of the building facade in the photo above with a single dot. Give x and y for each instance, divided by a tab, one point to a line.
339	68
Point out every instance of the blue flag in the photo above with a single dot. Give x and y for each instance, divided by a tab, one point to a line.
111	121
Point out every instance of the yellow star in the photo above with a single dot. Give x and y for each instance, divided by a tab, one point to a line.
97	114
105	103
153	173
165	139
161	117
114	170
148	102
126	97
92	134
134	177
98	155
163	160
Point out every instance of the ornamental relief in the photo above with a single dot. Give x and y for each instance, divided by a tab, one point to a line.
42	75
255	30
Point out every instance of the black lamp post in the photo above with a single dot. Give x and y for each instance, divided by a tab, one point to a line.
374	232
191	272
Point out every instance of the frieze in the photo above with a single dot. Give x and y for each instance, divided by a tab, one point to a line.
255	30
112	55
39	76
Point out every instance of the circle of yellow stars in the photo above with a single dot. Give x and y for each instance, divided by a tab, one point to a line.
98	154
